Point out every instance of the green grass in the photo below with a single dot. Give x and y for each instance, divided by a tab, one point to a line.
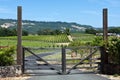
81	34
28	43
35	41
44	38
8	42
82	37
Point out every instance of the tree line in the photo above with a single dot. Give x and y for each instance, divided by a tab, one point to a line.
53	32
11	32
110	30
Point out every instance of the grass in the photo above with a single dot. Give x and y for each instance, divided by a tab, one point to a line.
35	41
82	37
44	38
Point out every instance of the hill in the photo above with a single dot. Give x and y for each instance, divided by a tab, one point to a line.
33	26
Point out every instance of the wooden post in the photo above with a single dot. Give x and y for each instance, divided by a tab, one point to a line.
104	59
23	60
63	61
90	58
105	33
104	54
19	35
105	26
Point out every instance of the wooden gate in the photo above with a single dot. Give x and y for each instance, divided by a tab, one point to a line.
41	61
82	59
60	60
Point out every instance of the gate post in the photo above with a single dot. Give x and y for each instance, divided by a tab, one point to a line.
19	35
90	58
23	60
105	36
104	54
63	61
105	26
104	59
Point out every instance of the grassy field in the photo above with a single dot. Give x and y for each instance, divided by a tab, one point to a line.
35	41
82	37
44	40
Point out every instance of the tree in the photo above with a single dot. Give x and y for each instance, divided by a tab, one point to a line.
5	32
24	33
11	32
114	30
91	31
57	32
67	31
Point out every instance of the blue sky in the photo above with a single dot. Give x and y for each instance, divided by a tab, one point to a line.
87	12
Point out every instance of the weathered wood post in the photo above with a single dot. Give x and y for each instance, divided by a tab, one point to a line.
63	61
105	26
104	54
19	35
90	58
23	60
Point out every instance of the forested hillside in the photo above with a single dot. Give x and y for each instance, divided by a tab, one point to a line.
33	27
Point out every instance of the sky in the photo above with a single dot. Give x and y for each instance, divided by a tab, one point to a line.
86	12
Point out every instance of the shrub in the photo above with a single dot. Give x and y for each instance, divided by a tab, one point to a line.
7	56
76	43
114	51
97	41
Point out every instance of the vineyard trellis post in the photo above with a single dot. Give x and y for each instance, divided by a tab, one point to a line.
19	35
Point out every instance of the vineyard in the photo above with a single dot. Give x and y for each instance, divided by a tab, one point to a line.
35	41
46	40
82	37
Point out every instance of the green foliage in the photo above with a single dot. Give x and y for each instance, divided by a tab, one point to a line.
90	31
25	33
6	56
76	43
82	37
114	51
53	32
97	41
6	32
47	38
114	30
35	41
10	32
49	32
89	40
67	31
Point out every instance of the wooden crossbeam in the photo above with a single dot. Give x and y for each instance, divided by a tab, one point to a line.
81	61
